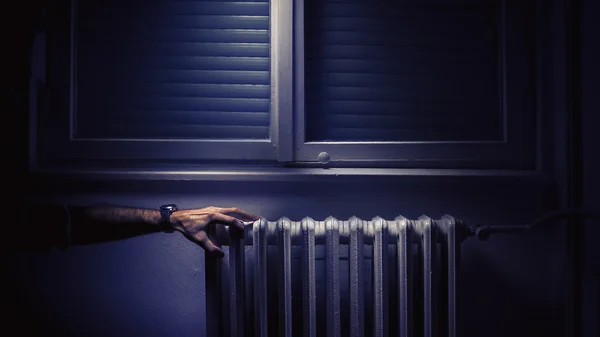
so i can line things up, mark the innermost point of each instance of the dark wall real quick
(591, 141)
(154, 285)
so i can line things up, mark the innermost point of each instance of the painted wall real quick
(591, 115)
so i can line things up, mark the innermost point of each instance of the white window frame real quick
(508, 153)
(63, 146)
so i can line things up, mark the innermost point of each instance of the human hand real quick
(195, 223)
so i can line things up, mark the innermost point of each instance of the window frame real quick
(57, 145)
(512, 152)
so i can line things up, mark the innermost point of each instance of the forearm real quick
(44, 226)
(107, 223)
(47, 226)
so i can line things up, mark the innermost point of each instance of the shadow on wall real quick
(521, 302)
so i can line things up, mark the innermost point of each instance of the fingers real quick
(227, 220)
(240, 214)
(210, 247)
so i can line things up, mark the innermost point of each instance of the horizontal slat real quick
(153, 131)
(189, 90)
(418, 92)
(182, 62)
(366, 66)
(247, 8)
(449, 9)
(171, 35)
(410, 83)
(89, 48)
(176, 117)
(419, 24)
(196, 104)
(181, 21)
(403, 53)
(216, 22)
(193, 76)
(394, 108)
(134, 62)
(395, 36)
(463, 132)
(173, 8)
(381, 122)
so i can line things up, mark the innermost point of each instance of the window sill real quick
(292, 174)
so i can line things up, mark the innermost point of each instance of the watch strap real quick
(165, 217)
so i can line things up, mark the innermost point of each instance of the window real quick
(436, 83)
(158, 80)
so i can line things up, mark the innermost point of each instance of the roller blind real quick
(168, 69)
(402, 70)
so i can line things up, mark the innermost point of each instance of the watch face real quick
(169, 207)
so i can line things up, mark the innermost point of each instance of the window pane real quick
(402, 70)
(172, 69)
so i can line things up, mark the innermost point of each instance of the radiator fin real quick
(357, 301)
(332, 257)
(380, 279)
(260, 278)
(309, 296)
(236, 283)
(284, 227)
(404, 251)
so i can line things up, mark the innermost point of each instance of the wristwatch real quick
(165, 217)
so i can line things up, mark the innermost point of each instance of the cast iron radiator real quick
(401, 278)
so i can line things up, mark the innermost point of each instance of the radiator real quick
(412, 282)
